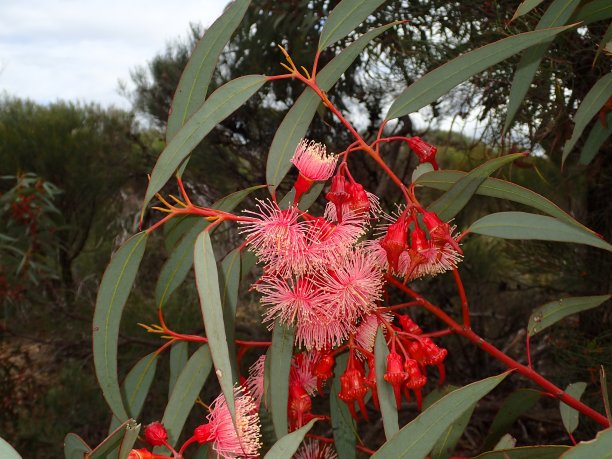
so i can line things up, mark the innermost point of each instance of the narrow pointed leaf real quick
(569, 415)
(343, 424)
(599, 448)
(515, 405)
(177, 266)
(416, 439)
(74, 448)
(185, 392)
(496, 188)
(179, 354)
(521, 225)
(604, 43)
(556, 15)
(447, 441)
(345, 18)
(113, 441)
(526, 452)
(596, 138)
(597, 96)
(525, 7)
(129, 439)
(288, 445)
(550, 313)
(441, 80)
(138, 382)
(450, 203)
(229, 202)
(193, 85)
(421, 169)
(221, 103)
(386, 398)
(207, 281)
(281, 353)
(295, 124)
(230, 281)
(112, 295)
(596, 10)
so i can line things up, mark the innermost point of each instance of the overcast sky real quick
(80, 49)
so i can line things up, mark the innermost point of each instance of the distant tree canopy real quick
(89, 153)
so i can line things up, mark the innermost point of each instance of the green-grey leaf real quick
(442, 79)
(288, 445)
(421, 169)
(74, 448)
(515, 405)
(207, 282)
(597, 96)
(229, 202)
(112, 295)
(295, 124)
(221, 103)
(177, 266)
(550, 313)
(597, 136)
(343, 424)
(185, 392)
(230, 281)
(604, 43)
(193, 85)
(281, 353)
(599, 448)
(113, 440)
(496, 188)
(597, 10)
(386, 398)
(525, 7)
(345, 18)
(450, 203)
(129, 439)
(557, 14)
(179, 354)
(138, 382)
(522, 225)
(603, 383)
(416, 439)
(526, 452)
(569, 415)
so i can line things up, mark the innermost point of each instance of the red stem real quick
(465, 308)
(499, 355)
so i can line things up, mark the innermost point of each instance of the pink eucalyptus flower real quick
(302, 371)
(255, 381)
(365, 335)
(312, 449)
(324, 332)
(227, 441)
(314, 164)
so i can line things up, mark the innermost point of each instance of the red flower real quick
(156, 434)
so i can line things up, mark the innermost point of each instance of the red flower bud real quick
(339, 194)
(155, 434)
(359, 202)
(353, 388)
(323, 370)
(371, 381)
(299, 405)
(415, 379)
(140, 454)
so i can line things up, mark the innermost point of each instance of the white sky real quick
(80, 49)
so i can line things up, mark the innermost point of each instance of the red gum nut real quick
(302, 185)
(417, 352)
(359, 203)
(299, 405)
(434, 353)
(395, 242)
(353, 388)
(203, 434)
(395, 375)
(323, 370)
(371, 381)
(416, 380)
(338, 194)
(409, 325)
(425, 152)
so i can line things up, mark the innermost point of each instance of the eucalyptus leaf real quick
(288, 445)
(345, 18)
(281, 353)
(386, 398)
(550, 313)
(569, 415)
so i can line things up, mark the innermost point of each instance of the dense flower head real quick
(365, 335)
(255, 381)
(312, 449)
(229, 441)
